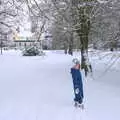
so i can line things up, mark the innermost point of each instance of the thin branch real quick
(41, 30)
(42, 12)
(5, 24)
(7, 13)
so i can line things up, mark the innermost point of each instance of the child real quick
(77, 83)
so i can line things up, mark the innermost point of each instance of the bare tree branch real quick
(5, 24)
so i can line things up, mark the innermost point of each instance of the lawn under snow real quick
(40, 88)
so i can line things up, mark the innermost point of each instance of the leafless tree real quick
(10, 13)
(90, 19)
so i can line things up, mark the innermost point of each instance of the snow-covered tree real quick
(94, 21)
(106, 27)
(10, 17)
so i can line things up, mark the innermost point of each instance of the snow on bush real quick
(33, 51)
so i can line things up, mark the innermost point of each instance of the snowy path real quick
(40, 88)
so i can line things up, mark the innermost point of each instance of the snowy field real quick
(40, 88)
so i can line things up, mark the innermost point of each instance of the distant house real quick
(21, 41)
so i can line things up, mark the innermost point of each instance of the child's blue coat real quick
(77, 83)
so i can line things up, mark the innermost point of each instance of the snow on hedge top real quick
(102, 1)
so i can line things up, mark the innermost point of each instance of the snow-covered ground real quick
(40, 88)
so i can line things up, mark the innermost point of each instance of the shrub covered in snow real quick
(33, 51)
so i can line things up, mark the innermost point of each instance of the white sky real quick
(25, 28)
(102, 1)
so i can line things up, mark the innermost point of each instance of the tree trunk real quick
(65, 48)
(1, 45)
(84, 53)
(70, 50)
(1, 50)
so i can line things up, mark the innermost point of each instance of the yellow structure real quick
(15, 36)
